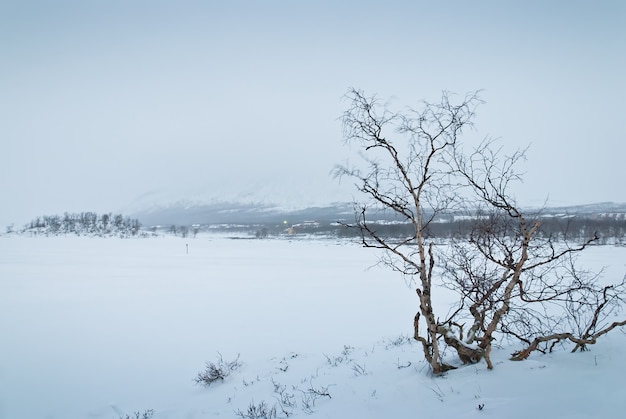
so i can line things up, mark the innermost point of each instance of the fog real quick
(108, 105)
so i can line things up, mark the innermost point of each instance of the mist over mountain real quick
(186, 213)
(599, 209)
(261, 202)
(154, 209)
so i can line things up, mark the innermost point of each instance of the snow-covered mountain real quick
(599, 209)
(266, 205)
(258, 203)
(216, 212)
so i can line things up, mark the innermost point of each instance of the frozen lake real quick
(89, 325)
(84, 320)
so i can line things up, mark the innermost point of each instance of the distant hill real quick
(588, 209)
(184, 213)
(187, 213)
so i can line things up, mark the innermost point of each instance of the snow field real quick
(100, 328)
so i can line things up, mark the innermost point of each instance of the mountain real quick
(188, 212)
(602, 208)
(257, 202)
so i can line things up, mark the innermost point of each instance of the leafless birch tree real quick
(534, 291)
(410, 176)
(511, 279)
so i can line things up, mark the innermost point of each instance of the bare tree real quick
(410, 177)
(516, 279)
(513, 279)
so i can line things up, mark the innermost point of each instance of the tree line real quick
(609, 230)
(84, 224)
(576, 228)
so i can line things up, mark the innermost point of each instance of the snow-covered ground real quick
(104, 328)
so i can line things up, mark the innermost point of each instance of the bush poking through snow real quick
(359, 369)
(344, 357)
(399, 341)
(217, 371)
(286, 399)
(401, 366)
(311, 395)
(138, 415)
(260, 411)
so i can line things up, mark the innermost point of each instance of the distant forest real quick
(609, 227)
(84, 224)
(610, 230)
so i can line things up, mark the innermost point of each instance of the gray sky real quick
(107, 104)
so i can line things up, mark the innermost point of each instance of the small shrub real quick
(260, 411)
(399, 341)
(344, 357)
(217, 371)
(286, 399)
(359, 369)
(138, 415)
(311, 395)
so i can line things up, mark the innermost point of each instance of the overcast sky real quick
(107, 104)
